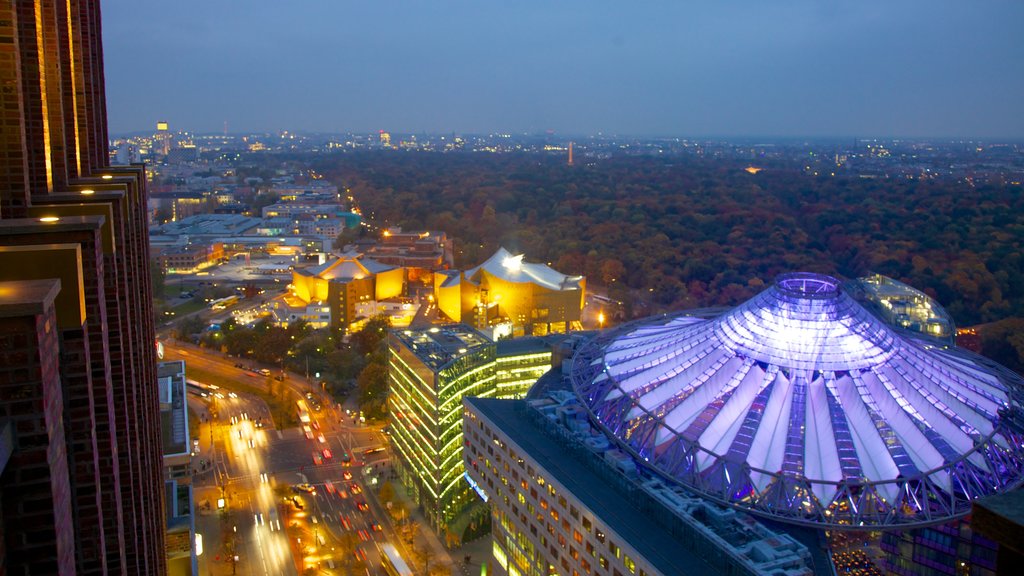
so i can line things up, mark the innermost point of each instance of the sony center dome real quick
(802, 406)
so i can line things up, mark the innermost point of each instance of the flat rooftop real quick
(650, 540)
(436, 346)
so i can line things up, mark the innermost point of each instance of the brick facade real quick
(103, 511)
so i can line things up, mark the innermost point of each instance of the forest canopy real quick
(681, 232)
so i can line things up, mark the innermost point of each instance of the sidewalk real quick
(463, 560)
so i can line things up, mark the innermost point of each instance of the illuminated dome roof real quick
(801, 405)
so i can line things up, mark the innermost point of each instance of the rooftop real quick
(513, 268)
(173, 407)
(802, 405)
(439, 345)
(693, 521)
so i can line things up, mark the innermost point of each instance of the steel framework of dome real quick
(801, 405)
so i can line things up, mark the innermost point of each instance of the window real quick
(578, 537)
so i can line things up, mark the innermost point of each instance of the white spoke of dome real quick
(655, 400)
(933, 414)
(769, 445)
(983, 407)
(720, 431)
(821, 458)
(869, 433)
(645, 383)
(718, 381)
(642, 341)
(640, 372)
(902, 418)
(973, 380)
(968, 416)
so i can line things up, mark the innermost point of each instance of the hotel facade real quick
(81, 488)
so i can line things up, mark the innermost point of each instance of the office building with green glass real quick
(430, 370)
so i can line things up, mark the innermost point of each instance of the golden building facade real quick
(345, 283)
(533, 299)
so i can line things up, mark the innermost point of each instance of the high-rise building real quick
(81, 490)
(799, 409)
(430, 371)
(162, 139)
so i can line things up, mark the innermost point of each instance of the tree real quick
(372, 384)
(272, 345)
(189, 326)
(369, 338)
(612, 270)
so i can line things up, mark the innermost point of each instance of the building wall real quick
(389, 284)
(515, 374)
(539, 527)
(425, 413)
(951, 548)
(36, 501)
(449, 299)
(531, 308)
(54, 146)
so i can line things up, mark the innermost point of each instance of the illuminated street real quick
(282, 512)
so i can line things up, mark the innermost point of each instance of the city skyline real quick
(797, 70)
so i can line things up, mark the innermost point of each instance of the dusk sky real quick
(660, 68)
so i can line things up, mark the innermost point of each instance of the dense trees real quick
(680, 232)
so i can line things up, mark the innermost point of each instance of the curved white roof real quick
(512, 268)
(801, 404)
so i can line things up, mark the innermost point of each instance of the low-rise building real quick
(177, 457)
(349, 285)
(533, 298)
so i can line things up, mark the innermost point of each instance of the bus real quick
(224, 303)
(303, 413)
(392, 562)
(200, 388)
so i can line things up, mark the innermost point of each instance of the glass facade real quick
(425, 406)
(801, 404)
(430, 371)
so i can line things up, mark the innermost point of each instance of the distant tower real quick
(225, 127)
(385, 139)
(163, 138)
(570, 153)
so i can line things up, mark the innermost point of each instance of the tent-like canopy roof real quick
(512, 268)
(346, 267)
(802, 405)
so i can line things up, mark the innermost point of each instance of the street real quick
(272, 501)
